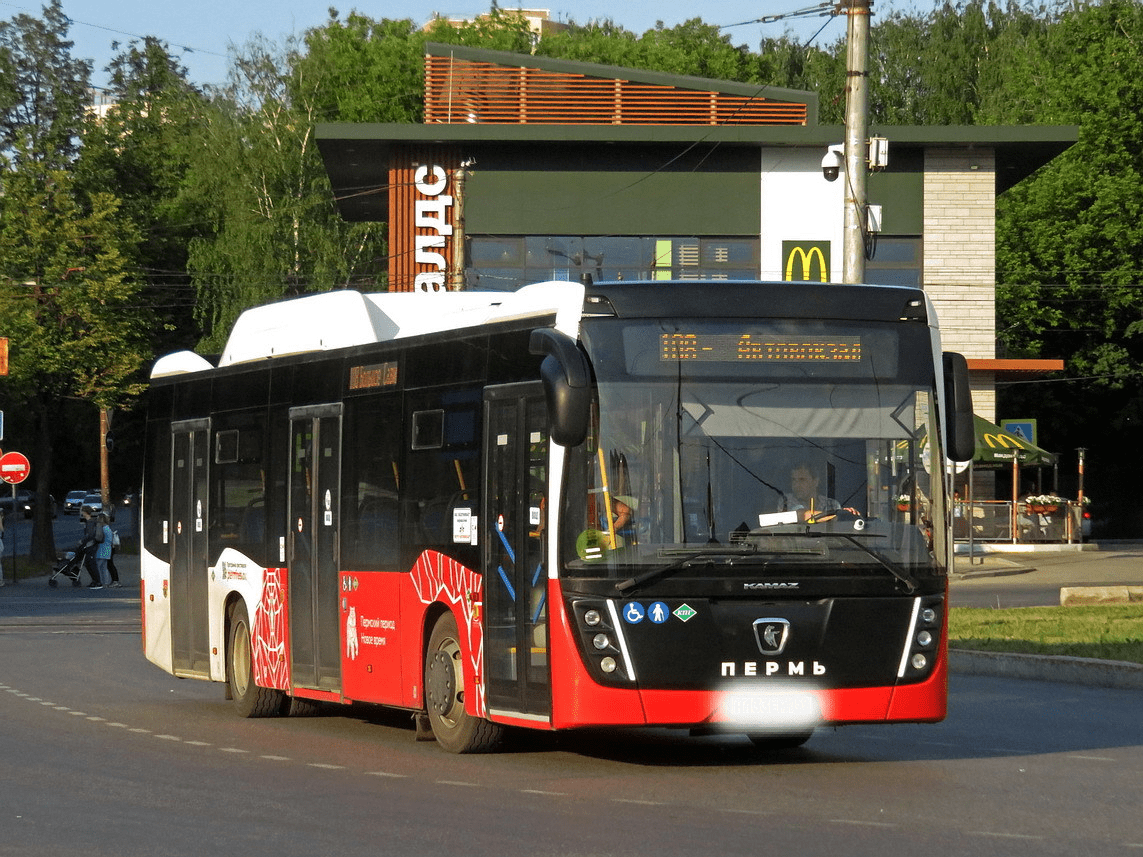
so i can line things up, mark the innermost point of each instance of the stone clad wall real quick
(960, 256)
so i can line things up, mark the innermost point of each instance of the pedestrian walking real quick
(87, 545)
(111, 569)
(103, 537)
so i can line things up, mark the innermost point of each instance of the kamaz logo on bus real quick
(753, 587)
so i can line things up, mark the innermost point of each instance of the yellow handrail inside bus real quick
(606, 500)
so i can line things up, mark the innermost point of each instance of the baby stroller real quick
(69, 565)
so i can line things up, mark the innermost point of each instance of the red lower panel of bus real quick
(383, 629)
(374, 639)
(382, 634)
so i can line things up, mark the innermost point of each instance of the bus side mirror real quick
(567, 384)
(960, 431)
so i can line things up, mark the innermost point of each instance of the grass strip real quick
(1106, 631)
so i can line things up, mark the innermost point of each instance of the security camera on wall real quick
(831, 165)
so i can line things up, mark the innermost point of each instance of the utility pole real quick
(856, 138)
(104, 458)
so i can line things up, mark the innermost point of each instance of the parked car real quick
(29, 505)
(95, 501)
(73, 501)
(8, 503)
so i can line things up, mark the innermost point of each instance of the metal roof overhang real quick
(1015, 368)
(356, 155)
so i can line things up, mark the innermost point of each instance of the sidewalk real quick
(1062, 565)
(127, 565)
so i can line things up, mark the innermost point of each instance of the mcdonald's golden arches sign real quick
(804, 261)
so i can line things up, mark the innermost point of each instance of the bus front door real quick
(313, 557)
(513, 520)
(190, 626)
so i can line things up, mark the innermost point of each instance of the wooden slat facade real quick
(404, 196)
(460, 91)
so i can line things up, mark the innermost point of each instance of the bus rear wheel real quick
(454, 728)
(250, 700)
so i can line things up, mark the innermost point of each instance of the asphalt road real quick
(1035, 579)
(102, 753)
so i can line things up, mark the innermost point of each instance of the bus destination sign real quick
(373, 376)
(730, 347)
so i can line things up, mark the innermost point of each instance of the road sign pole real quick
(15, 574)
(14, 468)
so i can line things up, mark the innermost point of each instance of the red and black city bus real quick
(704, 505)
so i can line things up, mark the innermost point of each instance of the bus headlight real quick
(917, 660)
(600, 642)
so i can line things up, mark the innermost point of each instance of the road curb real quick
(1076, 596)
(990, 571)
(1091, 672)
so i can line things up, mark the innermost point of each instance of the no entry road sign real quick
(14, 467)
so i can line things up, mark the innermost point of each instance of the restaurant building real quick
(528, 169)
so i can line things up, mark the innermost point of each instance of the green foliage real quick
(362, 70)
(786, 62)
(43, 90)
(1070, 241)
(691, 48)
(1110, 632)
(68, 306)
(1077, 275)
(273, 231)
(141, 149)
(499, 30)
(67, 303)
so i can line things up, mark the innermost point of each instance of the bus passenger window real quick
(238, 483)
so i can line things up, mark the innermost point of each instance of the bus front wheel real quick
(454, 728)
(250, 700)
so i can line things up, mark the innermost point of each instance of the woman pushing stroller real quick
(97, 548)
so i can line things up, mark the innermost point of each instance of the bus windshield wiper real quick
(711, 555)
(897, 571)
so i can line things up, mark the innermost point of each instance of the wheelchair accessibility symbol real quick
(633, 613)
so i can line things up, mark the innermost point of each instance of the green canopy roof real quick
(996, 446)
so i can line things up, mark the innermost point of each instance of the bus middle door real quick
(314, 490)
(190, 624)
(513, 520)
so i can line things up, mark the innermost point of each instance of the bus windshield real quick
(730, 448)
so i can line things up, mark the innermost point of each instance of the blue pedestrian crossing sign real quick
(1024, 429)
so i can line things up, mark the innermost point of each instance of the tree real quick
(937, 68)
(273, 230)
(1070, 239)
(68, 306)
(140, 149)
(44, 90)
(362, 70)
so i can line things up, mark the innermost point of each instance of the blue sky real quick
(201, 32)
